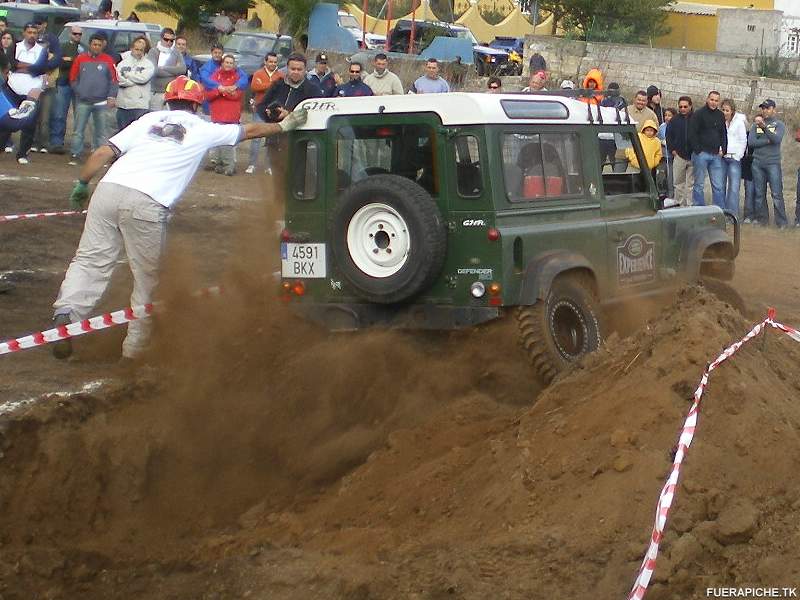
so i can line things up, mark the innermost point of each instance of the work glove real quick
(79, 196)
(24, 110)
(294, 119)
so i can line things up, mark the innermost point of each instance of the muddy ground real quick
(255, 457)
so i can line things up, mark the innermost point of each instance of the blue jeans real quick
(702, 162)
(58, 114)
(733, 181)
(763, 175)
(256, 145)
(83, 110)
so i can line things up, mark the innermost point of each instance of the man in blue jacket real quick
(354, 87)
(322, 76)
(765, 137)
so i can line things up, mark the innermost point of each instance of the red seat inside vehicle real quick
(536, 186)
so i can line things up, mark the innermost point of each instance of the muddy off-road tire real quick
(559, 330)
(388, 238)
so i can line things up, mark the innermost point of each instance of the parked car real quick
(488, 61)
(18, 13)
(508, 43)
(250, 47)
(120, 34)
(373, 41)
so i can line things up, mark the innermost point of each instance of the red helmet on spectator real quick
(183, 88)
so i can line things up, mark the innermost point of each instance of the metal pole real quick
(388, 22)
(364, 7)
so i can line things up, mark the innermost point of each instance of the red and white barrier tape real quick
(41, 215)
(684, 441)
(119, 317)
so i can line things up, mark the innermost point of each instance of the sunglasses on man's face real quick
(355, 72)
(78, 33)
(168, 40)
(494, 87)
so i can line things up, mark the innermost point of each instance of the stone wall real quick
(566, 56)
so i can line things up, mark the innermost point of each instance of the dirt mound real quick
(391, 465)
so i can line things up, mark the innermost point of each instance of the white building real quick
(790, 27)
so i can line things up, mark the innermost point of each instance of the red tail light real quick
(286, 235)
(299, 288)
(493, 234)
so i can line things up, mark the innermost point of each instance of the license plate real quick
(304, 261)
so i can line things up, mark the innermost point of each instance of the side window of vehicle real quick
(620, 164)
(542, 166)
(122, 42)
(468, 166)
(305, 170)
(405, 150)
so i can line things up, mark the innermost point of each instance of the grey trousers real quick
(682, 180)
(119, 218)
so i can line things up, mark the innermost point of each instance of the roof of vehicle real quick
(39, 7)
(111, 24)
(460, 108)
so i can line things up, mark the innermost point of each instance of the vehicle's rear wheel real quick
(562, 328)
(388, 238)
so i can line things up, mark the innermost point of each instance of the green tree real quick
(630, 21)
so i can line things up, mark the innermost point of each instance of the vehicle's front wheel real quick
(562, 328)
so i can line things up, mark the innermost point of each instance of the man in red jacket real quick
(225, 106)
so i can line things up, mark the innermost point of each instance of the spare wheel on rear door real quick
(388, 238)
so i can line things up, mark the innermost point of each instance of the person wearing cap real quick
(654, 102)
(708, 140)
(154, 160)
(567, 84)
(63, 98)
(431, 82)
(382, 81)
(322, 76)
(765, 137)
(608, 147)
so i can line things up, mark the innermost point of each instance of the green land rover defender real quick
(444, 211)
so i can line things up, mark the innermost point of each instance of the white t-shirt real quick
(162, 151)
(22, 83)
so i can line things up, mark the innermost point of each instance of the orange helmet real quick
(183, 88)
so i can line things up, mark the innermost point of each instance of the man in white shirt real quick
(27, 80)
(130, 211)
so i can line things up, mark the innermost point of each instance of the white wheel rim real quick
(378, 240)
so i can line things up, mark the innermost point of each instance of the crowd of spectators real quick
(684, 146)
